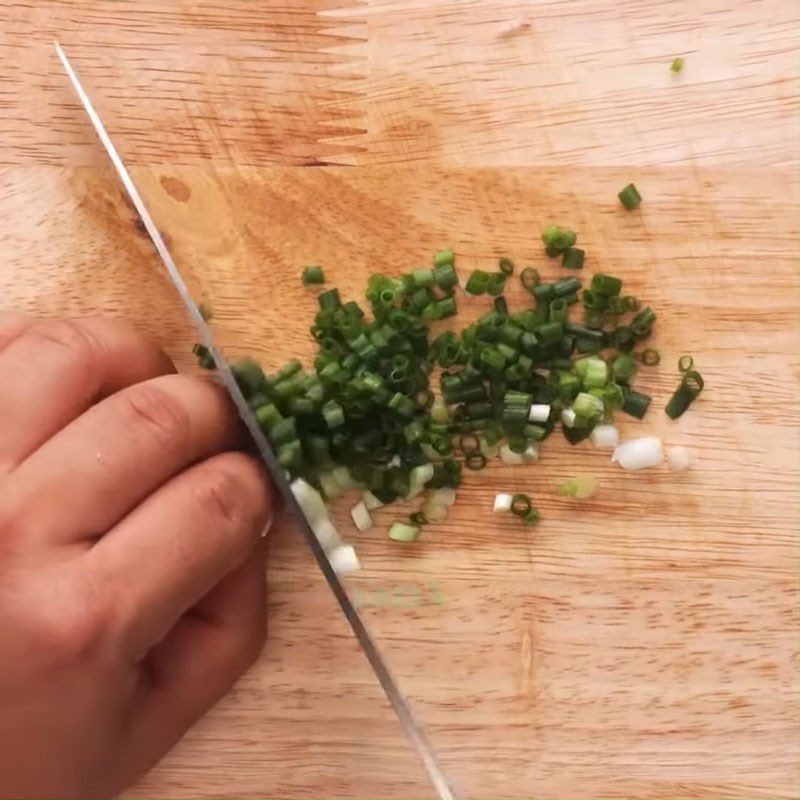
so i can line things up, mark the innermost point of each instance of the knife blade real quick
(379, 666)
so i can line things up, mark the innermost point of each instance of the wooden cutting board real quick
(641, 644)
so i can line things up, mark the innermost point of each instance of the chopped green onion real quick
(204, 358)
(496, 284)
(623, 367)
(520, 505)
(650, 357)
(506, 266)
(329, 300)
(529, 278)
(557, 240)
(566, 287)
(313, 276)
(418, 518)
(333, 414)
(422, 277)
(445, 276)
(588, 406)
(444, 258)
(636, 404)
(677, 64)
(205, 312)
(685, 363)
(573, 258)
(605, 284)
(475, 461)
(631, 303)
(401, 532)
(630, 197)
(581, 488)
(478, 282)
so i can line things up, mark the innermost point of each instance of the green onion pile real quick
(396, 409)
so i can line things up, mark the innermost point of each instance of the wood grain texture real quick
(642, 645)
(240, 83)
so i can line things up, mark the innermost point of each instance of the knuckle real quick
(66, 334)
(154, 411)
(72, 629)
(222, 493)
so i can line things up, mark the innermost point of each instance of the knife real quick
(412, 730)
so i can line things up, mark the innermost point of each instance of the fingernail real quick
(268, 524)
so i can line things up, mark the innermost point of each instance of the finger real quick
(54, 370)
(12, 325)
(175, 547)
(204, 655)
(103, 464)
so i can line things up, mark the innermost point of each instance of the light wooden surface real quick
(641, 645)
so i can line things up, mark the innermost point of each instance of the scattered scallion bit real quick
(313, 276)
(685, 363)
(573, 258)
(650, 357)
(205, 312)
(630, 197)
(506, 266)
(677, 64)
(557, 240)
(688, 390)
(402, 532)
(580, 488)
(368, 415)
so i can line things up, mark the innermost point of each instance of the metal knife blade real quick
(374, 657)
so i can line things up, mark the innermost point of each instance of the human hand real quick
(131, 559)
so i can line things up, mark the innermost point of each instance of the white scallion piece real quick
(605, 437)
(508, 456)
(679, 458)
(326, 534)
(439, 411)
(434, 512)
(342, 476)
(568, 417)
(361, 517)
(540, 412)
(489, 451)
(417, 479)
(531, 452)
(370, 501)
(443, 497)
(639, 453)
(310, 500)
(394, 461)
(344, 559)
(330, 485)
(403, 532)
(502, 503)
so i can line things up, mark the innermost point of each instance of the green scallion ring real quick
(685, 363)
(496, 284)
(650, 357)
(506, 266)
(529, 278)
(520, 505)
(475, 461)
(631, 303)
(693, 381)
